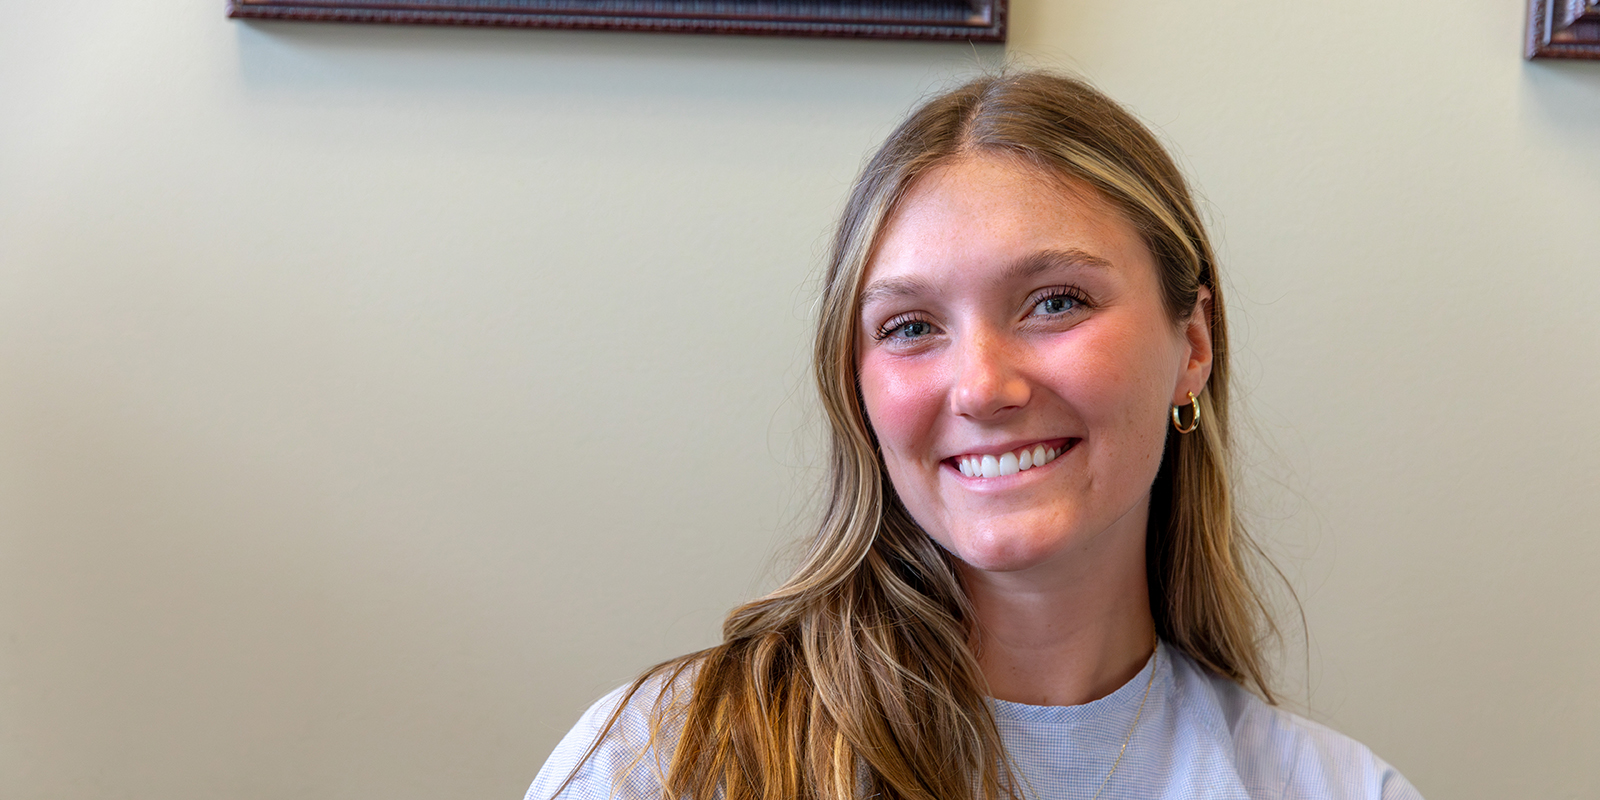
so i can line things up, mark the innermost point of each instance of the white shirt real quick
(1199, 736)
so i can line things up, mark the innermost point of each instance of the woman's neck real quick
(1068, 638)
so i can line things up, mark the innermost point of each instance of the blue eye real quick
(1055, 304)
(904, 329)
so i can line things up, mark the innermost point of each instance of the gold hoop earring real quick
(1194, 422)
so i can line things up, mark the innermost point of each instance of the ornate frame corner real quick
(1563, 29)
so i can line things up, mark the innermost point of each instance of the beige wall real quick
(371, 399)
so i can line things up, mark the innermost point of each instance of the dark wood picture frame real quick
(958, 20)
(1563, 29)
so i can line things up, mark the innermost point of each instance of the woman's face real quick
(1007, 320)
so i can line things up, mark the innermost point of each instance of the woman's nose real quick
(988, 383)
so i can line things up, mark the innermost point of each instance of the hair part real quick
(856, 676)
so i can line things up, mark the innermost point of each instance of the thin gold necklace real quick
(1155, 658)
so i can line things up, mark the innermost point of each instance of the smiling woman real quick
(1038, 325)
(1028, 581)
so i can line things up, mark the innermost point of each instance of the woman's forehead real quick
(998, 217)
(999, 170)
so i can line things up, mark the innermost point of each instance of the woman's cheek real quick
(1114, 373)
(903, 402)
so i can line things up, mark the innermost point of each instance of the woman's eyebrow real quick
(1047, 260)
(890, 288)
(1029, 266)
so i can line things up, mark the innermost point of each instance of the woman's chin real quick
(1006, 553)
(1044, 543)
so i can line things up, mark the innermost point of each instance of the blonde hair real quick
(855, 677)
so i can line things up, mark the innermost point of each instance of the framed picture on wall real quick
(1563, 29)
(963, 20)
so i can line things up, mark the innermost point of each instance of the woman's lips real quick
(1010, 462)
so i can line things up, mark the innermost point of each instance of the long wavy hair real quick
(856, 677)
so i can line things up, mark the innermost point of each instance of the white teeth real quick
(1006, 463)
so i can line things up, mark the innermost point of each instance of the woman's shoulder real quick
(1280, 754)
(608, 753)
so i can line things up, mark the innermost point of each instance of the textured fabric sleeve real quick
(621, 766)
(1323, 764)
(1283, 756)
(1332, 766)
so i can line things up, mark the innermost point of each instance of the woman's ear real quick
(1197, 334)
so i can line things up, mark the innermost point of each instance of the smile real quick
(977, 465)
